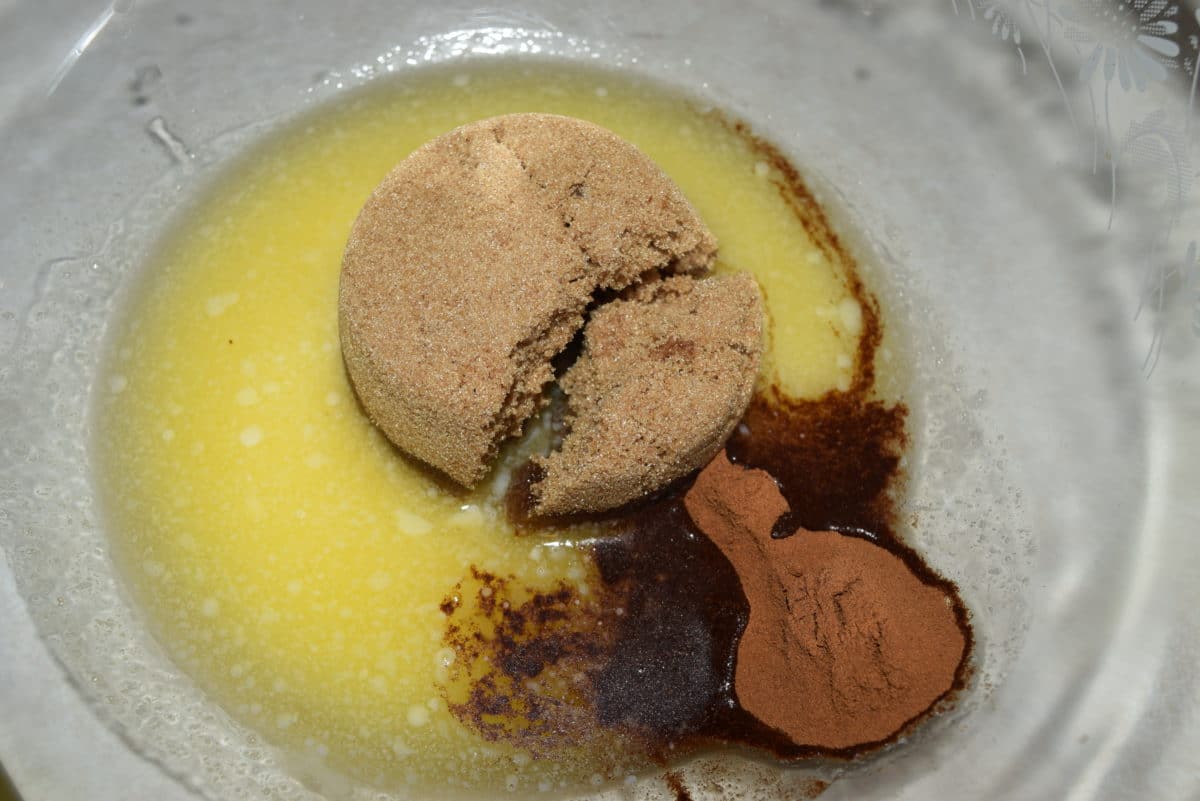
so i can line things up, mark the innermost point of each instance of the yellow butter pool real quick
(285, 555)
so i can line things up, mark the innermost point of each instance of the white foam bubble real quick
(216, 305)
(417, 715)
(251, 436)
(851, 316)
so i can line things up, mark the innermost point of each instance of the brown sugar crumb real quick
(471, 266)
(665, 374)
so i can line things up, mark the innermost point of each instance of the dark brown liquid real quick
(669, 678)
(657, 646)
(835, 459)
(649, 659)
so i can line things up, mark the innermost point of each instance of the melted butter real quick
(287, 557)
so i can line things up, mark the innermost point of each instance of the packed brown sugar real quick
(471, 266)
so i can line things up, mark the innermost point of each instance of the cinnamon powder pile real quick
(845, 645)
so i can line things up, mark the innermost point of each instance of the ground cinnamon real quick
(845, 645)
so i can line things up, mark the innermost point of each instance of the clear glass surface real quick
(1016, 180)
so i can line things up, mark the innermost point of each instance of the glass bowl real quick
(1016, 180)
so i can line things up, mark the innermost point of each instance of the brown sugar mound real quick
(845, 645)
(666, 373)
(471, 266)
